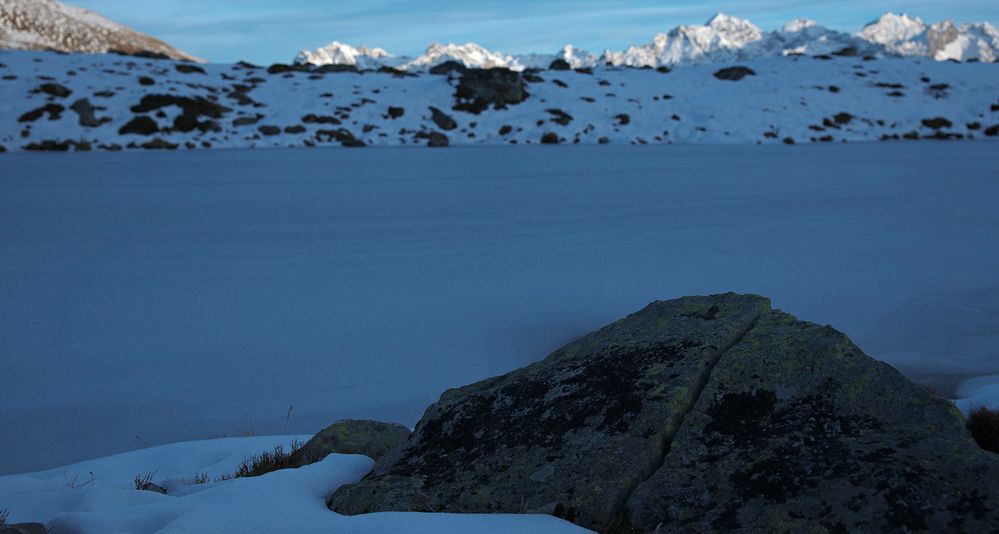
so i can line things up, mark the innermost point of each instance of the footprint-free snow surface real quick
(109, 102)
(163, 296)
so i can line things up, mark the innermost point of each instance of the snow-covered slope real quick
(51, 25)
(723, 38)
(76, 101)
(100, 496)
(337, 53)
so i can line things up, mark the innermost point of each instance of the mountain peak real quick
(891, 28)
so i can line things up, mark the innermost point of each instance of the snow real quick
(99, 496)
(892, 29)
(789, 97)
(160, 297)
(978, 392)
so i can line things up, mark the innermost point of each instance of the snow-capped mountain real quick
(723, 38)
(470, 54)
(337, 53)
(51, 25)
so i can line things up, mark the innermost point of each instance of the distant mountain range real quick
(723, 38)
(50, 25)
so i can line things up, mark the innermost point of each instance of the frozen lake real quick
(155, 297)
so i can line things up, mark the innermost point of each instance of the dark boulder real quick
(146, 81)
(478, 89)
(49, 145)
(734, 74)
(54, 89)
(141, 125)
(268, 129)
(700, 414)
(559, 64)
(437, 139)
(559, 117)
(442, 120)
(396, 112)
(326, 69)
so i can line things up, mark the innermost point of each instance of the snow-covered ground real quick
(100, 496)
(789, 99)
(157, 297)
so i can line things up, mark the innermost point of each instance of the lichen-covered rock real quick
(572, 434)
(352, 436)
(699, 414)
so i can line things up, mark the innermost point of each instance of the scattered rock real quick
(992, 131)
(703, 414)
(281, 68)
(246, 121)
(437, 139)
(353, 143)
(448, 67)
(480, 88)
(559, 117)
(140, 125)
(159, 144)
(187, 68)
(788, 141)
(584, 70)
(974, 125)
(937, 123)
(734, 73)
(146, 81)
(54, 112)
(559, 64)
(296, 129)
(842, 118)
(603, 140)
(663, 69)
(370, 438)
(49, 145)
(85, 110)
(54, 89)
(505, 129)
(320, 119)
(443, 120)
(846, 52)
(550, 138)
(325, 69)
(268, 129)
(396, 112)
(623, 119)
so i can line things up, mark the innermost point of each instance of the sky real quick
(266, 31)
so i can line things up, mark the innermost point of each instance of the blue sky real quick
(267, 31)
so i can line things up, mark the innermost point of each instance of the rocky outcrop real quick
(370, 438)
(478, 89)
(700, 414)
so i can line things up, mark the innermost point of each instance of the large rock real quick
(697, 414)
(351, 436)
(480, 88)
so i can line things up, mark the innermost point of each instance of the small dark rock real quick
(85, 110)
(159, 144)
(246, 121)
(396, 112)
(320, 119)
(734, 73)
(992, 131)
(550, 138)
(49, 145)
(146, 81)
(187, 68)
(268, 129)
(663, 69)
(843, 118)
(437, 139)
(623, 119)
(560, 117)
(443, 120)
(505, 129)
(937, 123)
(296, 129)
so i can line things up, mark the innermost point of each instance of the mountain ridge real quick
(722, 38)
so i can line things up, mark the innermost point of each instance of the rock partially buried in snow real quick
(351, 436)
(478, 89)
(707, 412)
(734, 74)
